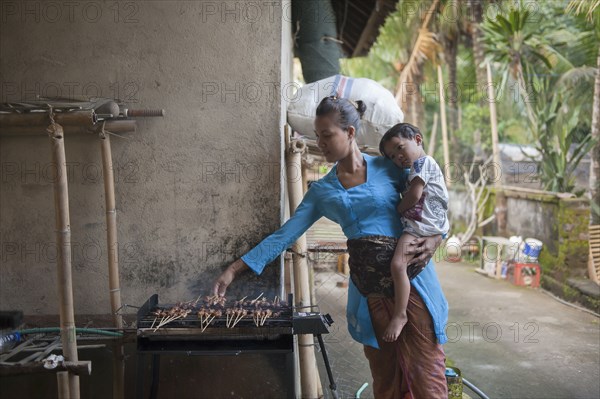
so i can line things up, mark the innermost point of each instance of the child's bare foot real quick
(393, 330)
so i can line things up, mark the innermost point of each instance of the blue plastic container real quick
(532, 248)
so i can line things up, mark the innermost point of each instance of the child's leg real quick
(401, 288)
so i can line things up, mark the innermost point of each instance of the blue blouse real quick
(364, 210)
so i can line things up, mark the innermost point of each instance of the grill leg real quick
(139, 376)
(155, 376)
(332, 385)
(291, 372)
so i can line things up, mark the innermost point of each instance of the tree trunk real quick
(474, 28)
(475, 19)
(595, 161)
(452, 92)
(418, 107)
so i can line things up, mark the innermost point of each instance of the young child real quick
(422, 208)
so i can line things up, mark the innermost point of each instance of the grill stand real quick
(302, 323)
(158, 348)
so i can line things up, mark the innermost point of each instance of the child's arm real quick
(412, 196)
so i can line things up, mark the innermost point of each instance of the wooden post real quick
(308, 370)
(63, 241)
(444, 128)
(111, 230)
(431, 146)
(62, 378)
(500, 209)
(83, 367)
(113, 262)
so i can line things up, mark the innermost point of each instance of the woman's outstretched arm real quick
(272, 246)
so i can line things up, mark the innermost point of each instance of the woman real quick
(361, 193)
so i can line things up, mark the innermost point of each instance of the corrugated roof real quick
(358, 23)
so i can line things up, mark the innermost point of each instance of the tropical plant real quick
(591, 9)
(425, 48)
(549, 86)
(557, 134)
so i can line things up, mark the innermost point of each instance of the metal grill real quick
(193, 327)
(191, 335)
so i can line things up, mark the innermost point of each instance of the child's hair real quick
(349, 113)
(404, 130)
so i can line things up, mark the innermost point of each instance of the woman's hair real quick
(348, 113)
(404, 130)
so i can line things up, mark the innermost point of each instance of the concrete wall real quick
(560, 223)
(194, 190)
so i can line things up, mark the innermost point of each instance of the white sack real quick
(382, 110)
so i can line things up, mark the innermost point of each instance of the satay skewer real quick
(243, 312)
(257, 298)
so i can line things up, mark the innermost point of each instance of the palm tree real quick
(475, 11)
(592, 11)
(449, 33)
(425, 48)
(549, 82)
(510, 41)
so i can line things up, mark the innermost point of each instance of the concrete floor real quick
(517, 342)
(511, 342)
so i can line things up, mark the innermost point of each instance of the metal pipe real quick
(143, 112)
(473, 388)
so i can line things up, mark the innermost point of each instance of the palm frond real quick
(581, 6)
(425, 48)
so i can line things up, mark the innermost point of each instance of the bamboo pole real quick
(63, 240)
(444, 127)
(308, 370)
(431, 146)
(113, 126)
(83, 367)
(85, 118)
(112, 244)
(500, 209)
(311, 270)
(111, 230)
(62, 378)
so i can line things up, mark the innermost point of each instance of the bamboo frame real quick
(113, 126)
(83, 367)
(308, 370)
(431, 146)
(64, 271)
(113, 261)
(62, 379)
(85, 118)
(111, 230)
(594, 253)
(444, 126)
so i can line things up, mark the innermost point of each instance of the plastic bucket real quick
(532, 248)
(513, 248)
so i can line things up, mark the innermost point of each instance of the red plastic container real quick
(525, 274)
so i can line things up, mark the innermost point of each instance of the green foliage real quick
(547, 60)
(556, 132)
(552, 89)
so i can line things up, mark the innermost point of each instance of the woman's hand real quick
(423, 248)
(228, 276)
